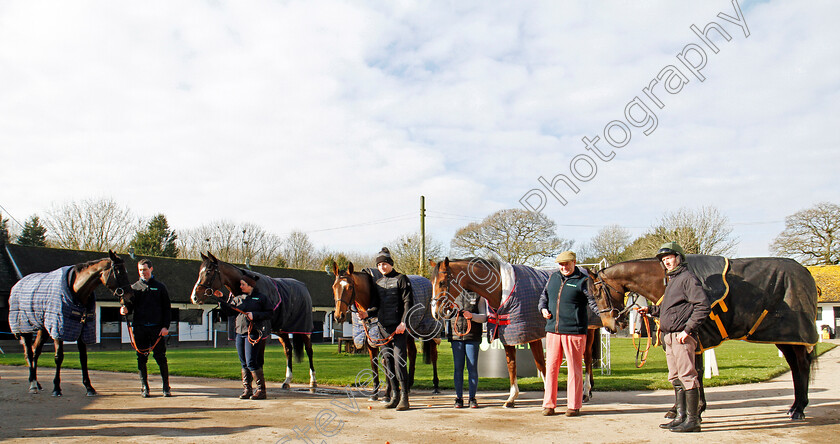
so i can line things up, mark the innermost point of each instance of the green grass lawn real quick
(739, 362)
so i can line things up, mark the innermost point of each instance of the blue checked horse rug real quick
(44, 300)
(518, 319)
(292, 304)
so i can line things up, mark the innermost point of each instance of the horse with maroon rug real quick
(61, 304)
(290, 297)
(514, 317)
(352, 291)
(765, 300)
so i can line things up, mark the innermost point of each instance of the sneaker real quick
(548, 412)
(573, 412)
(473, 403)
(459, 403)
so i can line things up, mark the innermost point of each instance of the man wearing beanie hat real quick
(393, 292)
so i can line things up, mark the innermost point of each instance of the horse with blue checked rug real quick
(290, 297)
(61, 304)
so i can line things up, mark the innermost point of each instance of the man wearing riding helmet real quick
(681, 311)
(393, 301)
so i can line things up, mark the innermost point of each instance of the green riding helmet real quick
(670, 248)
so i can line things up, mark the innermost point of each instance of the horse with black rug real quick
(765, 300)
(61, 305)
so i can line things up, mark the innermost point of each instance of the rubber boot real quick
(692, 407)
(144, 380)
(395, 397)
(259, 379)
(246, 384)
(679, 395)
(403, 404)
(164, 377)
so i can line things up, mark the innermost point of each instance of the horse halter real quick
(606, 288)
(119, 290)
(446, 300)
(208, 286)
(351, 305)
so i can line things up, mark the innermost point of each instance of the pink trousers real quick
(572, 347)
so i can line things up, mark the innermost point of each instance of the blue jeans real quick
(250, 356)
(465, 351)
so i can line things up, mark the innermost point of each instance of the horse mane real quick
(489, 263)
(81, 266)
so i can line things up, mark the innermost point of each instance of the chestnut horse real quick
(215, 274)
(482, 277)
(646, 277)
(82, 279)
(352, 292)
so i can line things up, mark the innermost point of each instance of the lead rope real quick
(260, 337)
(145, 351)
(641, 362)
(371, 341)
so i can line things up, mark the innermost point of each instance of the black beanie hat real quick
(384, 256)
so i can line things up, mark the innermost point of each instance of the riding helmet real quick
(670, 248)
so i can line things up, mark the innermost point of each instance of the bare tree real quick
(811, 235)
(406, 253)
(610, 243)
(516, 236)
(701, 231)
(231, 242)
(96, 225)
(299, 252)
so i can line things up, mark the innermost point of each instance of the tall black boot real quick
(679, 395)
(164, 377)
(395, 396)
(403, 404)
(144, 379)
(259, 379)
(246, 384)
(692, 406)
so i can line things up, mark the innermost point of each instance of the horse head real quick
(209, 281)
(115, 278)
(445, 289)
(344, 291)
(609, 296)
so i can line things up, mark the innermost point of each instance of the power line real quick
(11, 217)
(399, 218)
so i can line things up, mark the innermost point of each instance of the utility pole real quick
(422, 233)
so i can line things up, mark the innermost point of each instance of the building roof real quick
(827, 278)
(179, 275)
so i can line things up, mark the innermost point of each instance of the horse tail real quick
(297, 344)
(812, 358)
(429, 348)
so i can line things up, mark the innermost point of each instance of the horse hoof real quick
(91, 392)
(586, 398)
(39, 386)
(797, 416)
(510, 405)
(373, 397)
(56, 394)
(312, 385)
(436, 391)
(33, 391)
(286, 386)
(670, 414)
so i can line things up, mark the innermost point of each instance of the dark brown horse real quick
(756, 289)
(352, 292)
(81, 280)
(214, 275)
(480, 276)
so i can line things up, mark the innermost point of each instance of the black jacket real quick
(259, 306)
(685, 304)
(151, 306)
(393, 299)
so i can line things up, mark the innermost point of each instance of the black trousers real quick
(144, 337)
(395, 356)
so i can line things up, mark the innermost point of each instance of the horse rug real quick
(767, 300)
(45, 300)
(292, 304)
(518, 319)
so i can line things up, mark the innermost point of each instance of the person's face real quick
(144, 271)
(567, 268)
(245, 287)
(384, 267)
(671, 261)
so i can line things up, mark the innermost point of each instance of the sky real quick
(334, 117)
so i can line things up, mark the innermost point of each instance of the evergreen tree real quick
(4, 230)
(156, 239)
(33, 234)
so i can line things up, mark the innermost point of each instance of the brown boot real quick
(246, 383)
(260, 380)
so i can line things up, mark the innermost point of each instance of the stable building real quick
(195, 324)
(827, 278)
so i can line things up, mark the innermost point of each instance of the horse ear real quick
(334, 268)
(203, 257)
(350, 268)
(113, 256)
(446, 262)
(212, 258)
(432, 263)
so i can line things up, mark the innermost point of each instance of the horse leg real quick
(510, 355)
(26, 341)
(412, 358)
(59, 359)
(374, 367)
(798, 360)
(83, 360)
(539, 357)
(287, 348)
(307, 342)
(589, 379)
(434, 357)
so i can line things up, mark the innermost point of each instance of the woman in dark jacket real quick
(465, 335)
(251, 327)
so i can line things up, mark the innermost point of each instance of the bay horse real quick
(213, 275)
(352, 292)
(756, 288)
(61, 305)
(481, 276)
